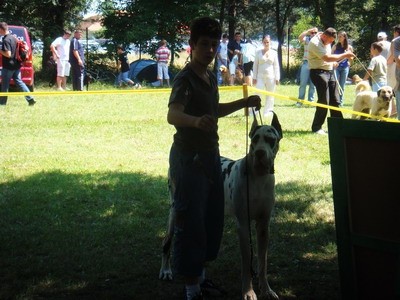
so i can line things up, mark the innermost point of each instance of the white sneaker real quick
(321, 132)
(299, 104)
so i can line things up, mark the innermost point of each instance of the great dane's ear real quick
(254, 127)
(275, 123)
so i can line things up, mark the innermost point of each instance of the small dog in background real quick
(377, 104)
(356, 79)
(239, 76)
(226, 77)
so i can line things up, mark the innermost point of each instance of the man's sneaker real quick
(199, 296)
(299, 104)
(31, 102)
(209, 289)
(320, 132)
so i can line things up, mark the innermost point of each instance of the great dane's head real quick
(264, 145)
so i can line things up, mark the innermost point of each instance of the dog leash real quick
(365, 69)
(252, 272)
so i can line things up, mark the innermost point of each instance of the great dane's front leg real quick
(247, 284)
(262, 227)
(165, 270)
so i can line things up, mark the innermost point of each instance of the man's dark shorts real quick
(199, 209)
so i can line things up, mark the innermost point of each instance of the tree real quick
(45, 18)
(143, 23)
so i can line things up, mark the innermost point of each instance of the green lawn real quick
(83, 200)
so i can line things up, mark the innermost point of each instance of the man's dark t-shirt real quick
(233, 45)
(199, 99)
(10, 44)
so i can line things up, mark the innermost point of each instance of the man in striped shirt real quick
(162, 55)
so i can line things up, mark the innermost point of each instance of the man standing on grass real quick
(195, 165)
(60, 49)
(11, 66)
(77, 61)
(321, 62)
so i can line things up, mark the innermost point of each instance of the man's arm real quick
(5, 53)
(305, 33)
(177, 117)
(337, 57)
(225, 109)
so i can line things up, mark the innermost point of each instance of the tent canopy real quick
(144, 70)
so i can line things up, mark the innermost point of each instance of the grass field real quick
(83, 200)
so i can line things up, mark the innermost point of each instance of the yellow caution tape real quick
(343, 110)
(221, 88)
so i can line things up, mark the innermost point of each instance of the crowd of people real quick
(330, 53)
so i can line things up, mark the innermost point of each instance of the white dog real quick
(250, 183)
(377, 104)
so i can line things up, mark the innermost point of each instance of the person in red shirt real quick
(162, 55)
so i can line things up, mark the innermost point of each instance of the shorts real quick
(162, 70)
(248, 67)
(63, 68)
(199, 201)
(232, 68)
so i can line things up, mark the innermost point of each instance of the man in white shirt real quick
(60, 49)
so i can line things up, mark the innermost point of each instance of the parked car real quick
(27, 71)
(37, 47)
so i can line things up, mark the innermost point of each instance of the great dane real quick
(248, 183)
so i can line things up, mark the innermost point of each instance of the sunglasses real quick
(314, 32)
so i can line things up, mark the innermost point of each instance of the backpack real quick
(22, 51)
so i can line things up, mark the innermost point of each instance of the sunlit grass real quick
(83, 199)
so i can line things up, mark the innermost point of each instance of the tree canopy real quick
(144, 22)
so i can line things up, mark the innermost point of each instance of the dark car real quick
(27, 71)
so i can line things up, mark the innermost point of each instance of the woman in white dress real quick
(266, 72)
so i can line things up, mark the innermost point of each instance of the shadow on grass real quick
(98, 236)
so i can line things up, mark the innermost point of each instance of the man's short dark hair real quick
(331, 32)
(66, 31)
(205, 26)
(396, 28)
(377, 46)
(4, 26)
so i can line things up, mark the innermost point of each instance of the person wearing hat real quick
(382, 38)
(391, 67)
(321, 62)
(60, 49)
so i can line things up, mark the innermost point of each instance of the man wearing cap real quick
(321, 62)
(382, 38)
(60, 49)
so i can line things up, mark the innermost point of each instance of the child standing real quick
(195, 167)
(123, 64)
(377, 68)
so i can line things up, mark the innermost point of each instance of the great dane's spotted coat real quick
(248, 179)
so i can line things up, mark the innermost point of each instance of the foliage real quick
(144, 24)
